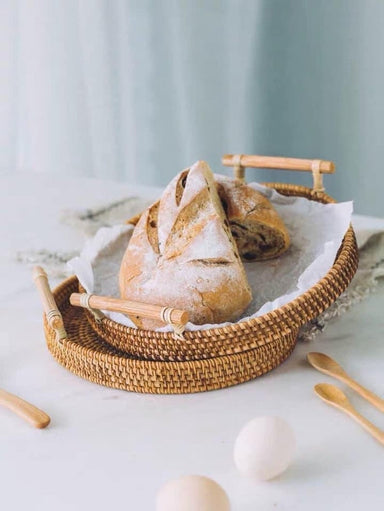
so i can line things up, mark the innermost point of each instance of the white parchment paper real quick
(316, 232)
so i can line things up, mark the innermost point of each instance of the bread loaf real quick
(182, 254)
(258, 230)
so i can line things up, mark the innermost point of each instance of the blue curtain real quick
(136, 90)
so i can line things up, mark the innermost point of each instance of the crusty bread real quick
(258, 230)
(182, 254)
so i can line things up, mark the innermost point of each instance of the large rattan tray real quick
(137, 360)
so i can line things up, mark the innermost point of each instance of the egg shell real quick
(192, 493)
(264, 448)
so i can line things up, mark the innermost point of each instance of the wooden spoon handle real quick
(367, 425)
(27, 411)
(365, 393)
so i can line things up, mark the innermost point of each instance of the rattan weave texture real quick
(243, 336)
(154, 362)
(87, 355)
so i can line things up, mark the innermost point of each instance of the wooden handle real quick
(317, 167)
(28, 412)
(52, 313)
(131, 308)
(377, 433)
(277, 162)
(365, 393)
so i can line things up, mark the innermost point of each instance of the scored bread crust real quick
(182, 254)
(259, 232)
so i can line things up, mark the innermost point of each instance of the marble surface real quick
(108, 449)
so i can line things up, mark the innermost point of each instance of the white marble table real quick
(109, 449)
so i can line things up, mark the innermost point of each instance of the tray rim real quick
(101, 362)
(299, 302)
(104, 364)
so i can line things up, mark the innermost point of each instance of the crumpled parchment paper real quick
(316, 232)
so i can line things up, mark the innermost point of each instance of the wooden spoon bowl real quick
(327, 365)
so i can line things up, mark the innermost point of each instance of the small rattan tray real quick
(137, 360)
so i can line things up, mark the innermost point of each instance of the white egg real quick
(264, 448)
(192, 493)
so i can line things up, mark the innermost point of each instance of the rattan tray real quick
(137, 360)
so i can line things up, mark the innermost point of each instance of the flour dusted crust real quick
(182, 254)
(258, 230)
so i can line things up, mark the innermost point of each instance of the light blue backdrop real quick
(136, 90)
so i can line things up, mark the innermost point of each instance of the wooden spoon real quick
(28, 412)
(336, 397)
(327, 365)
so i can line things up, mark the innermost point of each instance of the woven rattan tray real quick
(137, 360)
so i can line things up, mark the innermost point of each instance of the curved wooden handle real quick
(277, 162)
(27, 411)
(52, 313)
